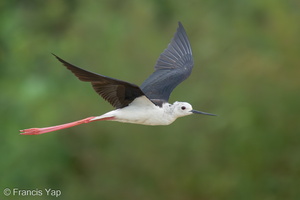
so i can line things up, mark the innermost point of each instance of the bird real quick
(147, 104)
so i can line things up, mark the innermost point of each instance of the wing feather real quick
(118, 93)
(173, 66)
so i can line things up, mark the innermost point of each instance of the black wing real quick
(118, 93)
(173, 66)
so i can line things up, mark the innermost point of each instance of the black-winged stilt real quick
(147, 104)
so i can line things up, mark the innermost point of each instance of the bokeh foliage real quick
(247, 71)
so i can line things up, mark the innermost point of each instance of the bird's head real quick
(183, 109)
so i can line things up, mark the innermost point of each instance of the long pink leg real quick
(38, 131)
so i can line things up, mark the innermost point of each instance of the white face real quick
(182, 109)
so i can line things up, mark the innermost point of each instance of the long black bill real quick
(203, 113)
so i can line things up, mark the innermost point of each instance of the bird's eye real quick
(183, 107)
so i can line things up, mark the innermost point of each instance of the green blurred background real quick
(247, 67)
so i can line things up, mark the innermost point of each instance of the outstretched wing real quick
(173, 66)
(118, 93)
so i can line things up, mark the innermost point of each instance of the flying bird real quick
(147, 104)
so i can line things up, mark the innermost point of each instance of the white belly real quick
(152, 115)
(143, 111)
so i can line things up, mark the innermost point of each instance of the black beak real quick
(203, 113)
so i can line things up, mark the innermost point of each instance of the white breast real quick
(143, 111)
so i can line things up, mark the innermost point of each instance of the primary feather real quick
(173, 66)
(118, 93)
